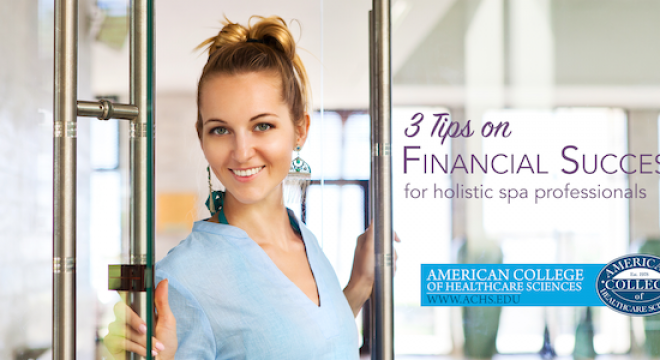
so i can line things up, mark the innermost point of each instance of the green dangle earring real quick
(299, 167)
(296, 182)
(215, 200)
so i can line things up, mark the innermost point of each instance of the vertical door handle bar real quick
(141, 226)
(381, 108)
(368, 319)
(140, 113)
(64, 179)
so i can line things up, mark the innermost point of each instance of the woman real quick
(251, 281)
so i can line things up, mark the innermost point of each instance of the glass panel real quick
(104, 153)
(116, 261)
(150, 278)
(335, 204)
(105, 214)
(181, 177)
(356, 160)
(422, 219)
(325, 137)
(557, 74)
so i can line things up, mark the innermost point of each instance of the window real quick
(553, 230)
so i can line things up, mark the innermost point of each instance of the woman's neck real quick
(266, 222)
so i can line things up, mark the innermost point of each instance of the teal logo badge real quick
(631, 285)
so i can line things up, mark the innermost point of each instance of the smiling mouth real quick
(247, 172)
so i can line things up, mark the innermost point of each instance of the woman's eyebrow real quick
(214, 120)
(256, 117)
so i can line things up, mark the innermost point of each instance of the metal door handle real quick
(66, 110)
(382, 310)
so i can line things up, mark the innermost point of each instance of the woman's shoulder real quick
(206, 242)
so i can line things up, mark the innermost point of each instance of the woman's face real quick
(248, 135)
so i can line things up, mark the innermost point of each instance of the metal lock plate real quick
(128, 277)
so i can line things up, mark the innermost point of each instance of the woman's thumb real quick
(162, 304)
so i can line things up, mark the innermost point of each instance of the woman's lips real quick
(248, 174)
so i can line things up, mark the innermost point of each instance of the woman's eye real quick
(219, 131)
(263, 127)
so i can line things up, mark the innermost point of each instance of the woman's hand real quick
(129, 332)
(361, 283)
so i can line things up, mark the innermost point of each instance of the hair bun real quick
(230, 33)
(271, 31)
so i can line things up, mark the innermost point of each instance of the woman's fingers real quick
(370, 231)
(122, 337)
(166, 324)
(162, 304)
(367, 234)
(395, 257)
(133, 342)
(365, 240)
(124, 314)
(129, 333)
(396, 238)
(118, 345)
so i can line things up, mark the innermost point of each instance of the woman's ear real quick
(302, 130)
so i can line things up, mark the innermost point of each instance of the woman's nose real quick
(243, 148)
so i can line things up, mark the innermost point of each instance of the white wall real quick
(26, 96)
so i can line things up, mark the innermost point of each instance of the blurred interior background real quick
(581, 72)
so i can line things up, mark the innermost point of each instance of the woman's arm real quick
(359, 286)
(357, 295)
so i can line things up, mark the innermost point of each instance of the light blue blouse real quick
(231, 301)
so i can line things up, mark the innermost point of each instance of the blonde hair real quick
(271, 49)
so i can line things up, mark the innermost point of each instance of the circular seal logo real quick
(631, 285)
